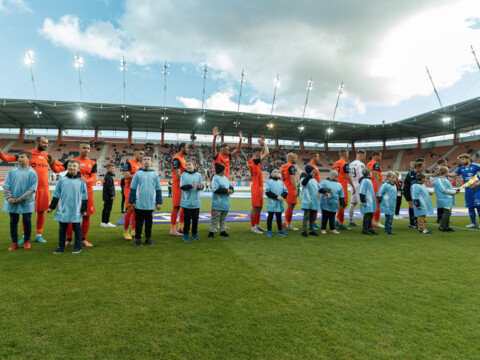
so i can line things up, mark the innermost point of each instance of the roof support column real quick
(276, 143)
(384, 146)
(59, 136)
(326, 145)
(163, 137)
(249, 140)
(96, 135)
(302, 144)
(455, 138)
(418, 143)
(20, 135)
(353, 146)
(129, 137)
(223, 138)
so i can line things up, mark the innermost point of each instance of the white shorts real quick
(356, 197)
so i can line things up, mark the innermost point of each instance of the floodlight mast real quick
(165, 73)
(204, 76)
(434, 88)
(475, 56)
(340, 92)
(123, 67)
(79, 65)
(309, 87)
(29, 61)
(276, 82)
(241, 86)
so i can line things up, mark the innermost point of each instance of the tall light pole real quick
(29, 61)
(204, 76)
(165, 73)
(434, 88)
(276, 83)
(309, 87)
(340, 92)
(241, 86)
(475, 56)
(79, 65)
(123, 67)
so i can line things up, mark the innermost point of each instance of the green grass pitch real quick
(348, 296)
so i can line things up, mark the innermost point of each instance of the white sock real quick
(351, 210)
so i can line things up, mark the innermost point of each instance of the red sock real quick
(126, 220)
(69, 231)
(258, 219)
(341, 215)
(40, 222)
(288, 216)
(253, 218)
(132, 220)
(173, 217)
(85, 226)
(377, 215)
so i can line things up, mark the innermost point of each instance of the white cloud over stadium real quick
(378, 48)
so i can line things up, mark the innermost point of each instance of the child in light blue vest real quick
(368, 203)
(422, 203)
(332, 196)
(387, 198)
(276, 192)
(222, 190)
(19, 189)
(445, 198)
(71, 198)
(191, 183)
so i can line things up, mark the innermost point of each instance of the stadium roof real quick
(30, 114)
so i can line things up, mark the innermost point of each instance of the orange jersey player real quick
(376, 169)
(289, 172)
(255, 166)
(178, 167)
(88, 171)
(342, 167)
(39, 163)
(129, 169)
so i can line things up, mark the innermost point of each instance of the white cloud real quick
(15, 6)
(378, 48)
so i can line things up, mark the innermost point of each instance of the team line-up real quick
(26, 190)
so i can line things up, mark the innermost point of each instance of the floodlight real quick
(301, 128)
(200, 120)
(446, 119)
(29, 57)
(329, 130)
(270, 126)
(78, 61)
(81, 114)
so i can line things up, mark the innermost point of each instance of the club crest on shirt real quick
(41, 157)
(89, 165)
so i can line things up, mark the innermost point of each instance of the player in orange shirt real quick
(289, 173)
(224, 156)
(314, 160)
(376, 169)
(88, 170)
(255, 166)
(178, 167)
(129, 169)
(42, 196)
(341, 166)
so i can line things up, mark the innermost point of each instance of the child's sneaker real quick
(352, 224)
(138, 242)
(270, 233)
(195, 237)
(210, 235)
(40, 239)
(282, 233)
(343, 227)
(186, 238)
(27, 245)
(12, 247)
(58, 251)
(224, 234)
(316, 227)
(334, 231)
(366, 232)
(149, 242)
(78, 251)
(304, 234)
(313, 233)
(390, 233)
(323, 232)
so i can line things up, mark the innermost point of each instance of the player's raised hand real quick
(261, 141)
(240, 135)
(50, 160)
(216, 132)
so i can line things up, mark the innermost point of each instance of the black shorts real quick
(408, 195)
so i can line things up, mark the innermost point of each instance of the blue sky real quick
(378, 48)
